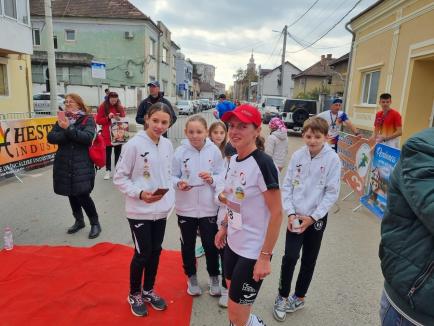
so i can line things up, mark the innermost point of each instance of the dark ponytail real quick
(260, 143)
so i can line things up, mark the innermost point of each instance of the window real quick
(4, 90)
(55, 42)
(173, 89)
(151, 78)
(69, 35)
(75, 75)
(10, 8)
(152, 47)
(370, 87)
(164, 58)
(174, 62)
(22, 11)
(36, 37)
(37, 74)
(165, 86)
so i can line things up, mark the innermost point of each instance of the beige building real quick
(393, 52)
(339, 72)
(15, 50)
(314, 79)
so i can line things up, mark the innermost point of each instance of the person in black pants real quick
(73, 170)
(310, 188)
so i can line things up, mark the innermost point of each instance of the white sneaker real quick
(107, 175)
(214, 286)
(193, 287)
(223, 301)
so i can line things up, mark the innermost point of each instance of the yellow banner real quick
(24, 145)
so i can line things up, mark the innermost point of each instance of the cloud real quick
(224, 32)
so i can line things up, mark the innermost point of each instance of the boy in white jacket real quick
(145, 166)
(197, 174)
(310, 188)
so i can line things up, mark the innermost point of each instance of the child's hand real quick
(220, 238)
(149, 198)
(306, 221)
(183, 185)
(222, 198)
(291, 219)
(206, 176)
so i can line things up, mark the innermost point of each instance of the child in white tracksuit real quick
(276, 144)
(197, 173)
(310, 188)
(144, 166)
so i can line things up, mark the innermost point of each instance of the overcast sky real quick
(223, 33)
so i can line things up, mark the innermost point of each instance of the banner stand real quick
(352, 192)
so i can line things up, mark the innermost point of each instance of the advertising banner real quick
(385, 159)
(355, 154)
(24, 145)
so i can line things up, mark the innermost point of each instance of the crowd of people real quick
(223, 181)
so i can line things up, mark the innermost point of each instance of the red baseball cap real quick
(245, 113)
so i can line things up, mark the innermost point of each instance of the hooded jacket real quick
(145, 166)
(407, 231)
(277, 147)
(311, 185)
(224, 107)
(188, 162)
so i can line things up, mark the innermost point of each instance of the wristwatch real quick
(224, 224)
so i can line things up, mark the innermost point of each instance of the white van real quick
(271, 106)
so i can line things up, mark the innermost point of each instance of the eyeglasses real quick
(69, 102)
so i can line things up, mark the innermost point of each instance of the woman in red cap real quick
(254, 214)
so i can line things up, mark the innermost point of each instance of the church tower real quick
(251, 66)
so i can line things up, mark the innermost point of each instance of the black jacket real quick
(73, 171)
(146, 104)
(407, 230)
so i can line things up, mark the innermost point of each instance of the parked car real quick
(297, 111)
(41, 102)
(271, 107)
(185, 107)
(206, 103)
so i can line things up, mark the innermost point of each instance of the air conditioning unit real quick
(129, 35)
(129, 74)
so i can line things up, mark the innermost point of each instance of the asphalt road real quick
(347, 283)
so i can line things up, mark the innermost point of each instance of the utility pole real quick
(51, 56)
(282, 67)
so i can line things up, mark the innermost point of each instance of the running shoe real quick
(193, 287)
(214, 286)
(199, 252)
(295, 303)
(138, 306)
(280, 308)
(155, 300)
(223, 301)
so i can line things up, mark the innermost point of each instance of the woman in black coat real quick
(73, 171)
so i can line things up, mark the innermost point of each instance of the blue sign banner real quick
(383, 163)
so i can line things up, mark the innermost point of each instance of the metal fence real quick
(176, 132)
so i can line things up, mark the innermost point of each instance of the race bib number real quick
(234, 215)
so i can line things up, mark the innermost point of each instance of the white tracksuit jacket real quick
(145, 166)
(311, 186)
(188, 162)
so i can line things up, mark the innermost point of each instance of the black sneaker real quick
(138, 306)
(156, 301)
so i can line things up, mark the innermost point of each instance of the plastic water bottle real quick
(8, 239)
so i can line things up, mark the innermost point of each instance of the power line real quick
(274, 49)
(328, 31)
(304, 14)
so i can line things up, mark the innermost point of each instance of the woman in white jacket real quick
(145, 166)
(276, 144)
(197, 173)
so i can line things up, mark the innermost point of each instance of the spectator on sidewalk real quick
(73, 170)
(388, 123)
(110, 109)
(276, 144)
(336, 119)
(154, 96)
(407, 237)
(223, 106)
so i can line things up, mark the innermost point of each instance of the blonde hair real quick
(77, 99)
(316, 124)
(213, 127)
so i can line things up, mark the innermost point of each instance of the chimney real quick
(322, 60)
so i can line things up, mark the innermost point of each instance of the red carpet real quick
(42, 285)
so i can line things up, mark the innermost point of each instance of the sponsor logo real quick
(246, 301)
(318, 225)
(248, 288)
(138, 225)
(249, 296)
